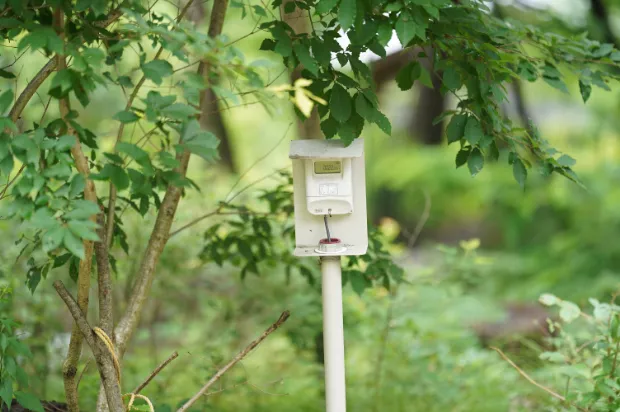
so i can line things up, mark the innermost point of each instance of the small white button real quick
(333, 189)
(324, 190)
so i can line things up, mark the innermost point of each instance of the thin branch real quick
(105, 365)
(119, 135)
(283, 317)
(155, 372)
(44, 73)
(257, 161)
(106, 316)
(532, 381)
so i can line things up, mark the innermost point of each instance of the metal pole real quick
(333, 335)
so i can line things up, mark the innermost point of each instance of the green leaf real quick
(329, 127)
(82, 209)
(117, 176)
(519, 172)
(347, 13)
(6, 165)
(408, 75)
(566, 161)
(384, 33)
(585, 89)
(6, 99)
(29, 401)
(156, 70)
(126, 116)
(383, 123)
(83, 229)
(556, 83)
(6, 391)
(475, 162)
(302, 51)
(78, 183)
(456, 128)
(64, 143)
(52, 239)
(359, 282)
(43, 219)
(569, 311)
(325, 6)
(451, 79)
(340, 104)
(198, 141)
(425, 78)
(405, 28)
(284, 45)
(473, 131)
(462, 156)
(364, 108)
(179, 111)
(73, 244)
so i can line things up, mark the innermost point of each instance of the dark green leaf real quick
(519, 172)
(451, 79)
(475, 162)
(325, 6)
(347, 13)
(456, 128)
(473, 130)
(585, 89)
(408, 75)
(462, 156)
(383, 123)
(302, 51)
(6, 99)
(340, 104)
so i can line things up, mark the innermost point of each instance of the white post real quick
(333, 335)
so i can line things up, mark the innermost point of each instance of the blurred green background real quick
(486, 247)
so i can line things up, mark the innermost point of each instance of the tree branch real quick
(283, 317)
(75, 344)
(105, 364)
(106, 315)
(532, 381)
(155, 372)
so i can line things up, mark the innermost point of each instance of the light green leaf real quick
(340, 104)
(43, 219)
(78, 183)
(52, 239)
(82, 209)
(126, 116)
(548, 299)
(179, 111)
(156, 70)
(347, 13)
(475, 162)
(566, 161)
(65, 143)
(73, 244)
(83, 229)
(6, 99)
(569, 311)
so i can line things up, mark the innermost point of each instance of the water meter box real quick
(329, 180)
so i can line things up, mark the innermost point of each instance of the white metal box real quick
(329, 179)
